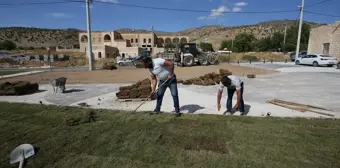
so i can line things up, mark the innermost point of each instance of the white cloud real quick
(112, 1)
(241, 4)
(215, 13)
(236, 9)
(60, 15)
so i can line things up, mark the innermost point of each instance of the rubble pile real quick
(18, 88)
(109, 66)
(141, 89)
(207, 79)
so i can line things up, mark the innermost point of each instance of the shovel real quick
(20, 153)
(150, 95)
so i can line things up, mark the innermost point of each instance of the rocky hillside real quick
(215, 34)
(36, 37)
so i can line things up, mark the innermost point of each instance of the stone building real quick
(325, 40)
(111, 44)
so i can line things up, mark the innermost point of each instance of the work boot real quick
(155, 112)
(177, 114)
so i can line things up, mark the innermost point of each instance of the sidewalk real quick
(20, 74)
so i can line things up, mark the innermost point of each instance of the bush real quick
(250, 58)
(223, 58)
(8, 45)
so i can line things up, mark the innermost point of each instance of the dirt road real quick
(132, 75)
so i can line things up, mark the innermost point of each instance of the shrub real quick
(250, 58)
(223, 58)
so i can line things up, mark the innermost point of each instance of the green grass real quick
(126, 140)
(9, 72)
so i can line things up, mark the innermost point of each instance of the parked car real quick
(126, 61)
(292, 55)
(317, 60)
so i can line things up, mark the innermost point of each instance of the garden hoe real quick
(150, 96)
(20, 153)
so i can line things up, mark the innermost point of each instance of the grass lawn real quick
(9, 72)
(125, 140)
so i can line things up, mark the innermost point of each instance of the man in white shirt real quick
(232, 83)
(163, 70)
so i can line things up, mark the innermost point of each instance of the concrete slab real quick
(319, 89)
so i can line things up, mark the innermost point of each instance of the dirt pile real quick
(18, 88)
(207, 79)
(109, 66)
(141, 89)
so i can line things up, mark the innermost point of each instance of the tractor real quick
(188, 54)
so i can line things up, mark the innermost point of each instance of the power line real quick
(322, 14)
(317, 3)
(39, 3)
(187, 10)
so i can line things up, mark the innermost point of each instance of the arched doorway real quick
(123, 55)
(99, 54)
(184, 40)
(175, 40)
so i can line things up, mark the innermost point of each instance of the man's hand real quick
(219, 106)
(169, 76)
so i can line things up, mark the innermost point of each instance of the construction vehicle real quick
(188, 54)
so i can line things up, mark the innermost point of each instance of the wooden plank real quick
(302, 105)
(287, 106)
(299, 109)
(289, 103)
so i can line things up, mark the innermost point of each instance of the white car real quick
(317, 60)
(126, 61)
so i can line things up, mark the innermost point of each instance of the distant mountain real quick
(38, 37)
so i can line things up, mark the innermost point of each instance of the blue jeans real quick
(230, 99)
(172, 84)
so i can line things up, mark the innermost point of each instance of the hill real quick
(37, 37)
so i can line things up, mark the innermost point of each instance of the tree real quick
(206, 46)
(292, 34)
(263, 44)
(8, 45)
(226, 44)
(277, 41)
(244, 42)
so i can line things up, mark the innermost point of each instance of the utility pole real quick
(89, 34)
(284, 40)
(300, 27)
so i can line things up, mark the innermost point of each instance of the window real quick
(136, 40)
(149, 40)
(144, 40)
(107, 55)
(99, 55)
(314, 56)
(131, 41)
(326, 48)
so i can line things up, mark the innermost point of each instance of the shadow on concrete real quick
(246, 110)
(191, 108)
(74, 90)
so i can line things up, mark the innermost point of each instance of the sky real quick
(115, 15)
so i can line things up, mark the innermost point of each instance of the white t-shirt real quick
(159, 69)
(235, 82)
